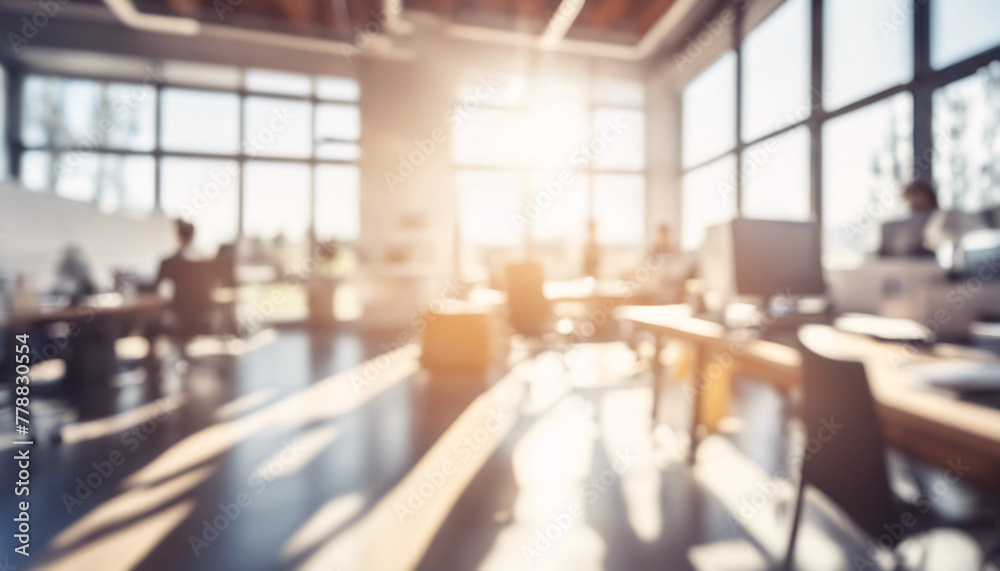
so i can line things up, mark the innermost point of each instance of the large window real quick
(205, 192)
(776, 177)
(537, 160)
(868, 47)
(200, 122)
(776, 71)
(967, 140)
(276, 161)
(856, 123)
(86, 141)
(867, 156)
(709, 122)
(709, 197)
(962, 28)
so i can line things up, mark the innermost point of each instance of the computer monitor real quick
(980, 255)
(904, 238)
(993, 217)
(763, 258)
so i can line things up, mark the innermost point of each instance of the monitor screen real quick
(763, 258)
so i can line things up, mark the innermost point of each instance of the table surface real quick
(97, 306)
(917, 416)
(585, 289)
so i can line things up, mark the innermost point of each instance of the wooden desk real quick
(101, 306)
(586, 290)
(935, 427)
(94, 328)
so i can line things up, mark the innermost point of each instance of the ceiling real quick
(612, 21)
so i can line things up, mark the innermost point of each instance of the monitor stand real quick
(777, 315)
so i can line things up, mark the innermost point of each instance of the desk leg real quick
(696, 399)
(716, 389)
(657, 368)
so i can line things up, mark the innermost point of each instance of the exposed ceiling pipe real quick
(666, 24)
(531, 41)
(126, 12)
(652, 40)
(560, 23)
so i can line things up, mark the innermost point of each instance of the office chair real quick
(850, 467)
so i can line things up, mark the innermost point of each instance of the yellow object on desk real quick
(461, 337)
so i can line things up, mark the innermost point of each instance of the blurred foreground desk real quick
(588, 291)
(92, 329)
(937, 427)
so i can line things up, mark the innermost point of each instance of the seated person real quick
(73, 276)
(905, 238)
(193, 278)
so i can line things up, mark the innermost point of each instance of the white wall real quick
(35, 228)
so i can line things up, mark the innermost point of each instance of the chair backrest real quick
(845, 454)
(193, 282)
(529, 310)
(226, 261)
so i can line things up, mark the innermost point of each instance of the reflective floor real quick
(297, 451)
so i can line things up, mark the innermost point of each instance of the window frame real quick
(926, 80)
(592, 104)
(17, 146)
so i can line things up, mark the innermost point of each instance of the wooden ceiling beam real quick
(607, 13)
(189, 8)
(297, 11)
(531, 8)
(651, 13)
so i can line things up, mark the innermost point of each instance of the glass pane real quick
(557, 207)
(127, 183)
(338, 203)
(337, 122)
(200, 121)
(708, 197)
(495, 89)
(488, 202)
(493, 137)
(619, 139)
(559, 89)
(70, 175)
(277, 128)
(204, 192)
(868, 48)
(337, 89)
(966, 123)
(776, 71)
(962, 28)
(60, 111)
(867, 156)
(269, 81)
(619, 208)
(621, 92)
(776, 177)
(75, 175)
(133, 114)
(338, 151)
(36, 167)
(557, 134)
(276, 200)
(4, 154)
(709, 121)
